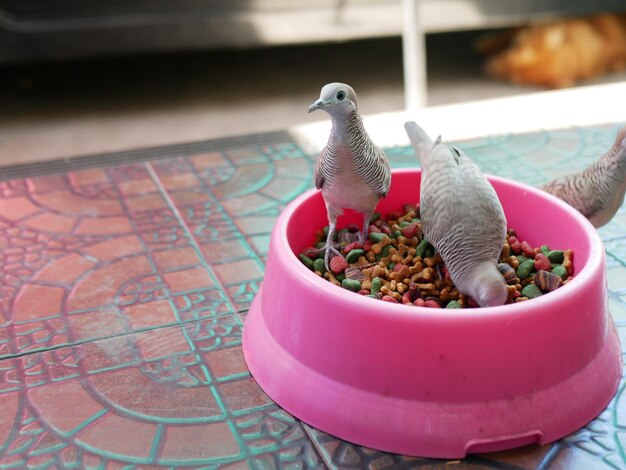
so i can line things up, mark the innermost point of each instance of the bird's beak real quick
(317, 105)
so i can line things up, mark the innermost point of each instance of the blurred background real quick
(81, 77)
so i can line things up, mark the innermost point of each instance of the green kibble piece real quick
(377, 283)
(377, 236)
(319, 265)
(531, 291)
(354, 255)
(397, 234)
(373, 296)
(340, 277)
(560, 271)
(375, 217)
(308, 262)
(421, 248)
(525, 268)
(326, 229)
(391, 266)
(320, 245)
(384, 252)
(404, 224)
(453, 304)
(522, 258)
(555, 256)
(545, 249)
(351, 284)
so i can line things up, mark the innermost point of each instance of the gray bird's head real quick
(336, 99)
(487, 286)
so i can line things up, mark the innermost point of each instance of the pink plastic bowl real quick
(436, 382)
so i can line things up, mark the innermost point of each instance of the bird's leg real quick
(329, 244)
(366, 225)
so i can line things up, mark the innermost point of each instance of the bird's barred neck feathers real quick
(350, 130)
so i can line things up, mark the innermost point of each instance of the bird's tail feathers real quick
(420, 140)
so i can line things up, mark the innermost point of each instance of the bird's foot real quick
(328, 249)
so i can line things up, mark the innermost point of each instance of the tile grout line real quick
(326, 459)
(194, 243)
(118, 335)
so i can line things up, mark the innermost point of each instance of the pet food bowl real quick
(436, 382)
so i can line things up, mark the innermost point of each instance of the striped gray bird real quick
(351, 171)
(597, 192)
(461, 217)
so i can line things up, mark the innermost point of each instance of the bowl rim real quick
(368, 306)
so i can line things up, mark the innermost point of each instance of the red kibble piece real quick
(393, 215)
(311, 252)
(338, 264)
(516, 246)
(398, 267)
(363, 292)
(373, 229)
(367, 246)
(513, 239)
(419, 302)
(542, 262)
(444, 272)
(517, 294)
(406, 298)
(388, 298)
(431, 304)
(352, 246)
(528, 249)
(410, 230)
(472, 303)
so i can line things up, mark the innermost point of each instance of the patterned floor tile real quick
(123, 291)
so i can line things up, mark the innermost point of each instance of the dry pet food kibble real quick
(396, 264)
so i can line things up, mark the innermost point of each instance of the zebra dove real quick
(461, 217)
(597, 192)
(351, 171)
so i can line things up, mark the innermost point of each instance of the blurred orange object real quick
(558, 53)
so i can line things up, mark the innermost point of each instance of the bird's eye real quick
(341, 95)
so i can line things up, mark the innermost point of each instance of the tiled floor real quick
(124, 293)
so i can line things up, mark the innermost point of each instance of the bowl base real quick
(429, 429)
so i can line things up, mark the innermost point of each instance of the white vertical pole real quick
(413, 56)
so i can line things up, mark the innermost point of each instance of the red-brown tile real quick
(224, 250)
(189, 197)
(35, 301)
(179, 181)
(9, 405)
(99, 323)
(247, 179)
(133, 390)
(104, 226)
(118, 247)
(104, 435)
(137, 187)
(45, 183)
(226, 362)
(176, 258)
(149, 202)
(68, 202)
(99, 287)
(17, 208)
(51, 223)
(150, 314)
(64, 405)
(208, 160)
(65, 269)
(238, 271)
(188, 279)
(89, 177)
(156, 344)
(244, 394)
(201, 441)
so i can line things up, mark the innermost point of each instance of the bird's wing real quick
(320, 165)
(376, 172)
